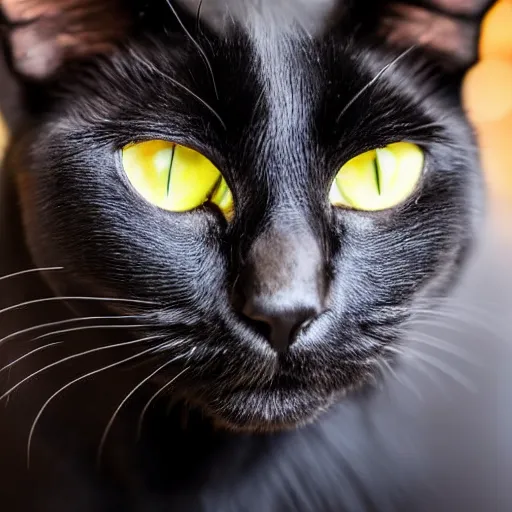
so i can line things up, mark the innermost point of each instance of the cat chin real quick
(263, 412)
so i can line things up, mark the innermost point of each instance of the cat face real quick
(281, 308)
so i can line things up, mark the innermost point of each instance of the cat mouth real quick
(254, 411)
(255, 389)
(284, 404)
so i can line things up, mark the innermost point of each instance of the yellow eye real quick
(174, 177)
(378, 179)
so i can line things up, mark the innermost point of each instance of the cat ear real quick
(448, 30)
(41, 35)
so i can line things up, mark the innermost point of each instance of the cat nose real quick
(281, 325)
(282, 285)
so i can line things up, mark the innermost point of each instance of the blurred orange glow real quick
(488, 98)
(497, 31)
(3, 136)
(489, 90)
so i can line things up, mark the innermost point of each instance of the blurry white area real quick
(310, 14)
(455, 388)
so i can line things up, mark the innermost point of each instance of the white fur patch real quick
(310, 15)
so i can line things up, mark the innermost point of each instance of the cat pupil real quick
(170, 171)
(377, 173)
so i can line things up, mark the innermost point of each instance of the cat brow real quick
(375, 79)
(154, 69)
(196, 44)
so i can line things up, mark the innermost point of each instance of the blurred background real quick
(488, 96)
(469, 434)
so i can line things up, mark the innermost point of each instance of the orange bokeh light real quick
(488, 98)
(496, 38)
(488, 90)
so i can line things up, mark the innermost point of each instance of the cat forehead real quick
(281, 73)
(255, 16)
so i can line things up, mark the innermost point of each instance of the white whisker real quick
(30, 271)
(57, 299)
(68, 385)
(63, 322)
(416, 364)
(432, 317)
(446, 347)
(374, 80)
(425, 126)
(197, 45)
(445, 368)
(401, 379)
(127, 397)
(178, 84)
(160, 390)
(74, 356)
(89, 328)
(436, 363)
(24, 356)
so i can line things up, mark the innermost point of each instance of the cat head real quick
(283, 194)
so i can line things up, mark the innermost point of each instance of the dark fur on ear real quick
(448, 29)
(42, 34)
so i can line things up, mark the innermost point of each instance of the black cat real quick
(341, 192)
